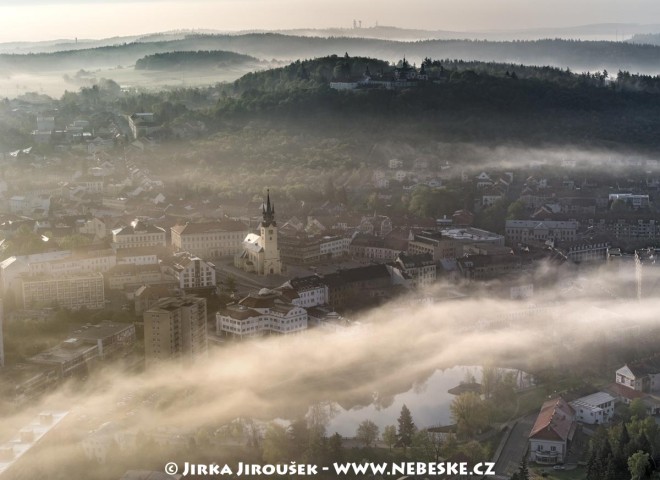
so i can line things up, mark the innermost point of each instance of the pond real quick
(428, 402)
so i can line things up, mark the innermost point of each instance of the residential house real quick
(597, 408)
(552, 432)
(642, 376)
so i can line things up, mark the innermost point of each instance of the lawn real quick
(576, 474)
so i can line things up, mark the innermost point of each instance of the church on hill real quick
(261, 254)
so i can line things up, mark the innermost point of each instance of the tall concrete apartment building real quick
(175, 328)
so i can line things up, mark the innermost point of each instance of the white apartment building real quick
(635, 201)
(137, 256)
(59, 263)
(415, 271)
(210, 239)
(191, 271)
(265, 313)
(311, 291)
(138, 234)
(334, 246)
(87, 262)
(522, 231)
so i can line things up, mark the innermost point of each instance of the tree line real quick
(198, 59)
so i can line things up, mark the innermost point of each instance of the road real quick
(515, 447)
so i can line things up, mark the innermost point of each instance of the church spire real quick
(268, 212)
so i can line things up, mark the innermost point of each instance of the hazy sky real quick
(49, 19)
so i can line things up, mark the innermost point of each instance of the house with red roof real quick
(552, 432)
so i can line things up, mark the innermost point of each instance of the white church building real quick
(261, 254)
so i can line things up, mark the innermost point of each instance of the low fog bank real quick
(573, 326)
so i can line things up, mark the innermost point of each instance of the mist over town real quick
(367, 243)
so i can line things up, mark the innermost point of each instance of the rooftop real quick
(221, 226)
(173, 303)
(101, 330)
(37, 429)
(595, 399)
(555, 421)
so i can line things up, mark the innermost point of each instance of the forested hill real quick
(321, 71)
(576, 55)
(193, 60)
(310, 73)
(650, 39)
(535, 106)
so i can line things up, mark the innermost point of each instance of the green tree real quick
(475, 451)
(298, 437)
(230, 284)
(276, 444)
(406, 428)
(428, 445)
(638, 464)
(367, 433)
(335, 448)
(523, 470)
(619, 206)
(470, 414)
(489, 380)
(638, 409)
(389, 436)
(71, 242)
(515, 211)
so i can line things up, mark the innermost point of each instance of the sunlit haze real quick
(45, 19)
(330, 238)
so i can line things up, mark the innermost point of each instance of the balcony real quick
(547, 458)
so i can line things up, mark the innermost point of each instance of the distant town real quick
(105, 263)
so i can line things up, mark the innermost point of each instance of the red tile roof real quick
(555, 421)
(619, 390)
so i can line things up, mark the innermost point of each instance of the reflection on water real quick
(428, 402)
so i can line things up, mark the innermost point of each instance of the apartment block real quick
(67, 291)
(175, 329)
(210, 239)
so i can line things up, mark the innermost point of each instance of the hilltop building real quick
(261, 254)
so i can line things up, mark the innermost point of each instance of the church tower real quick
(268, 233)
